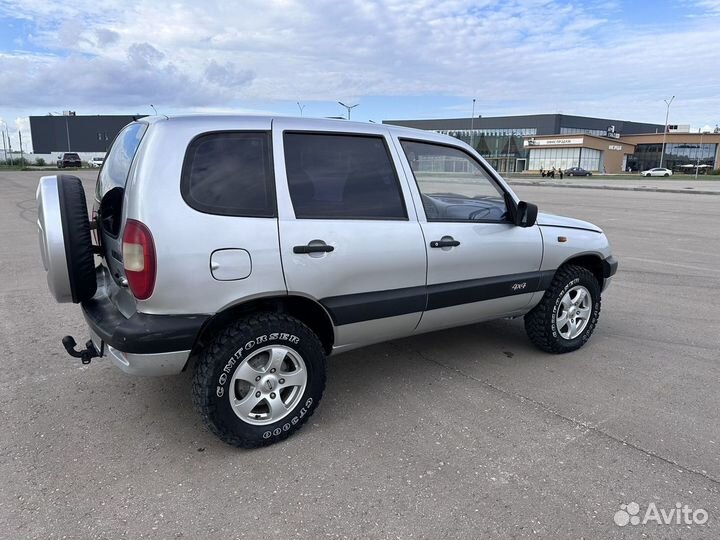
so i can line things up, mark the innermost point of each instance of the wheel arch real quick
(592, 262)
(308, 311)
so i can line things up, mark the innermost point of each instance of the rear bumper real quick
(142, 344)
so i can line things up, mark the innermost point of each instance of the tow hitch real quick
(85, 355)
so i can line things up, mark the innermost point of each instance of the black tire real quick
(666, 174)
(78, 243)
(218, 361)
(540, 322)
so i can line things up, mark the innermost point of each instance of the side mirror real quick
(526, 214)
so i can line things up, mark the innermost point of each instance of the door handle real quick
(313, 248)
(445, 242)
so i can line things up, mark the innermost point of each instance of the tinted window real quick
(342, 177)
(453, 186)
(72, 156)
(230, 174)
(117, 164)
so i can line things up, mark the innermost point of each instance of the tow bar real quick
(85, 355)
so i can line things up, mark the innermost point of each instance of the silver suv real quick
(254, 247)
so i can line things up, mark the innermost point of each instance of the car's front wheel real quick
(259, 379)
(566, 316)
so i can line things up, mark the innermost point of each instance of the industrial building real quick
(507, 141)
(72, 133)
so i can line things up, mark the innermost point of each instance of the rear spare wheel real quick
(64, 235)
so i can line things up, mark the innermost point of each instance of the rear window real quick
(72, 156)
(337, 176)
(117, 163)
(230, 173)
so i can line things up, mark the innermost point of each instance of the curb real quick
(691, 191)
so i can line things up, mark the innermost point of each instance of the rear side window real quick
(342, 177)
(230, 173)
(117, 163)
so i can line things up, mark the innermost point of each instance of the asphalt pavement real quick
(465, 433)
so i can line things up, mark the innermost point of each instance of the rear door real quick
(110, 194)
(349, 233)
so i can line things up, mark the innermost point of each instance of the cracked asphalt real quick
(466, 433)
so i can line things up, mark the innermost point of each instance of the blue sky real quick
(396, 58)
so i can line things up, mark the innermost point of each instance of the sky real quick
(616, 59)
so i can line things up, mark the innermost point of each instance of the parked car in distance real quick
(96, 162)
(249, 248)
(577, 171)
(657, 171)
(68, 159)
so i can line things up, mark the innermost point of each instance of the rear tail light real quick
(139, 259)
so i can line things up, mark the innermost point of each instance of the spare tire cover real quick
(67, 257)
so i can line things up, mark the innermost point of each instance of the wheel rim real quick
(267, 385)
(573, 312)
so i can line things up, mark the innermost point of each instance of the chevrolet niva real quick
(251, 248)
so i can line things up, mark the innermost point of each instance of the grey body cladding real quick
(352, 308)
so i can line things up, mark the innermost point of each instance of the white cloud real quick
(515, 56)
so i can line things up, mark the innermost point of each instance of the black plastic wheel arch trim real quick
(141, 333)
(610, 266)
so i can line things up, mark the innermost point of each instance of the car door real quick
(349, 233)
(480, 265)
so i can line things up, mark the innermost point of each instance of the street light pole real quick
(4, 147)
(301, 107)
(472, 125)
(348, 107)
(667, 115)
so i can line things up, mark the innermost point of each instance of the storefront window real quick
(502, 147)
(647, 156)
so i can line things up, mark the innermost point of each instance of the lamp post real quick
(4, 147)
(667, 115)
(697, 157)
(472, 126)
(348, 107)
(301, 107)
(6, 134)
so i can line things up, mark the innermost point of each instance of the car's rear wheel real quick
(566, 316)
(666, 174)
(259, 379)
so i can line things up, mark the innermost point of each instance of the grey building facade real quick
(70, 133)
(499, 139)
